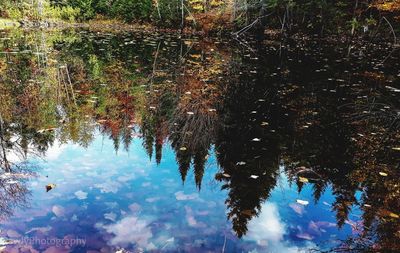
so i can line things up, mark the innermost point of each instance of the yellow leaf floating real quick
(183, 149)
(383, 174)
(303, 179)
(387, 213)
(50, 187)
(195, 56)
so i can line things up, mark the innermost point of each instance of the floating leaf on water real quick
(387, 213)
(383, 174)
(264, 123)
(241, 163)
(367, 205)
(183, 149)
(226, 175)
(256, 139)
(212, 110)
(190, 113)
(254, 176)
(50, 187)
(302, 202)
(303, 179)
(396, 148)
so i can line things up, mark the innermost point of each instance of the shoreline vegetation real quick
(209, 18)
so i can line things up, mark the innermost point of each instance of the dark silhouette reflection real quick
(192, 131)
(319, 136)
(249, 158)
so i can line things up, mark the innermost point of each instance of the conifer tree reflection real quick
(247, 145)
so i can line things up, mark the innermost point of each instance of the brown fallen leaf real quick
(50, 187)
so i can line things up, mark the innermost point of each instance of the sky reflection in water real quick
(124, 200)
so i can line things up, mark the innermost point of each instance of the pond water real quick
(135, 142)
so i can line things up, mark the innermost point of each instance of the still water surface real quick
(156, 143)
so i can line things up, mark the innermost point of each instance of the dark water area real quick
(156, 143)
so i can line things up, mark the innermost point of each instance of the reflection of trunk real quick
(158, 8)
(182, 15)
(5, 162)
(65, 85)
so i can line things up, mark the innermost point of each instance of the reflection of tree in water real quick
(343, 139)
(14, 170)
(322, 151)
(22, 112)
(247, 145)
(155, 121)
(13, 194)
(317, 138)
(192, 127)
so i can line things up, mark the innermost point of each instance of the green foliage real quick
(312, 16)
(168, 12)
(85, 6)
(130, 10)
(95, 67)
(14, 13)
(67, 13)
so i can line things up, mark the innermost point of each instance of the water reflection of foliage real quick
(341, 147)
(320, 130)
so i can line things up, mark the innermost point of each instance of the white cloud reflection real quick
(130, 230)
(268, 231)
